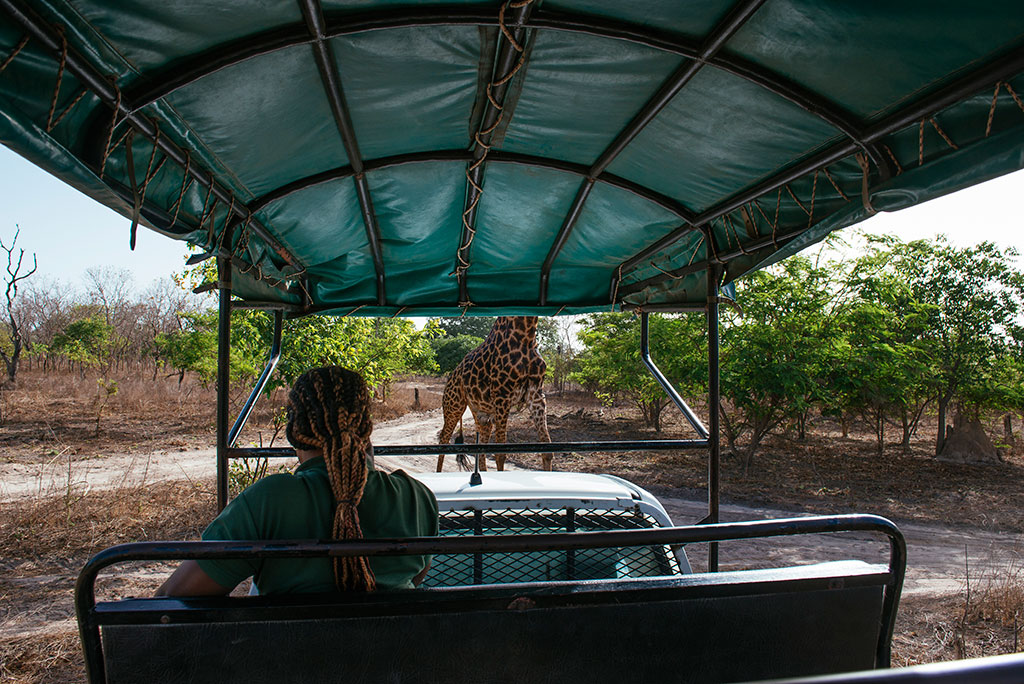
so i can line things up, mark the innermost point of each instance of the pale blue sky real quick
(71, 233)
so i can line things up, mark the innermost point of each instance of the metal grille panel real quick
(540, 566)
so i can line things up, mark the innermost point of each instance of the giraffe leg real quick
(501, 432)
(538, 408)
(453, 404)
(484, 424)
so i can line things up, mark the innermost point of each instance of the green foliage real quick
(479, 326)
(610, 362)
(903, 327)
(449, 351)
(86, 341)
(193, 348)
(378, 349)
(473, 326)
(773, 358)
(971, 299)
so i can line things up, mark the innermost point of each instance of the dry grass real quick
(401, 397)
(49, 532)
(46, 658)
(995, 605)
(984, 619)
(46, 540)
(56, 413)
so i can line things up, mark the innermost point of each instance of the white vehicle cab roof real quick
(538, 489)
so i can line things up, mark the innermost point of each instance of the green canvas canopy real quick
(375, 157)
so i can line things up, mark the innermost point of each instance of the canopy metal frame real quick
(708, 437)
(318, 28)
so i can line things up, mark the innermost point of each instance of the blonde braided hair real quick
(329, 409)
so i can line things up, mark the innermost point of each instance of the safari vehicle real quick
(547, 503)
(533, 157)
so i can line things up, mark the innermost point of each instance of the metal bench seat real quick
(713, 627)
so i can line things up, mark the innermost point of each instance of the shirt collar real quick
(320, 464)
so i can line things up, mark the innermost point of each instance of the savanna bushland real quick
(887, 382)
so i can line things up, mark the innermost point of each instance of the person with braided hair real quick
(335, 493)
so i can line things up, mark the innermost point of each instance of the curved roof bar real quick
(328, 68)
(1003, 67)
(163, 82)
(342, 172)
(732, 23)
(95, 81)
(808, 100)
(152, 87)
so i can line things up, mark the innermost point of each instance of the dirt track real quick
(936, 555)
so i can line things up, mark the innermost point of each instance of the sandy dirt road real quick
(939, 558)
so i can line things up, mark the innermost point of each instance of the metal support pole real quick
(223, 378)
(645, 354)
(275, 355)
(714, 397)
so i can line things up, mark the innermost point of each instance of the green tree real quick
(378, 349)
(609, 362)
(888, 368)
(775, 356)
(885, 370)
(86, 341)
(193, 348)
(449, 351)
(474, 326)
(975, 299)
(478, 326)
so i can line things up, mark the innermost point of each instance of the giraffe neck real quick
(521, 330)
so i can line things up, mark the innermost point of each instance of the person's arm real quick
(191, 580)
(418, 579)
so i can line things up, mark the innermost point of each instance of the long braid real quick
(329, 409)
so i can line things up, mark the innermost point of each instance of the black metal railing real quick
(614, 562)
(89, 625)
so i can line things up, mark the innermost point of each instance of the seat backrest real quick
(720, 627)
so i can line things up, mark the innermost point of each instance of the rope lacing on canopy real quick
(14, 53)
(51, 122)
(60, 76)
(113, 124)
(839, 189)
(463, 262)
(186, 183)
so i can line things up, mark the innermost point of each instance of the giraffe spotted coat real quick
(504, 372)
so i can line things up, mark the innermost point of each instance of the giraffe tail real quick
(461, 459)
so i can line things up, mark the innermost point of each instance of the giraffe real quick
(505, 371)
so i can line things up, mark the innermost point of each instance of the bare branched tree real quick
(12, 354)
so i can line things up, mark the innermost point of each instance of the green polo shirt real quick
(300, 505)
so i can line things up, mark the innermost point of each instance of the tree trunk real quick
(1008, 429)
(801, 426)
(940, 437)
(727, 428)
(880, 432)
(907, 429)
(656, 407)
(844, 422)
